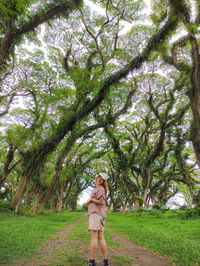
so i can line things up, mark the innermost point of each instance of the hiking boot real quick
(106, 262)
(91, 263)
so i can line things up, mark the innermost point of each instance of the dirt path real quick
(64, 250)
(140, 256)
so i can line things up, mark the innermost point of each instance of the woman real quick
(96, 218)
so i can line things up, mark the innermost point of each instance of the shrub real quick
(158, 210)
(157, 213)
(192, 213)
(4, 204)
(183, 208)
(84, 207)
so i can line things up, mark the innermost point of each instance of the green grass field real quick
(21, 235)
(168, 235)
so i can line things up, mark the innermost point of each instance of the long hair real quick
(105, 185)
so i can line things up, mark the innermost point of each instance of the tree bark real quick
(59, 205)
(150, 161)
(19, 196)
(7, 169)
(29, 197)
(186, 176)
(147, 180)
(28, 170)
(193, 94)
(195, 101)
(53, 203)
(73, 204)
(37, 206)
(137, 205)
(69, 188)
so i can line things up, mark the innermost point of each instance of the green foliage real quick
(190, 213)
(12, 8)
(4, 205)
(84, 207)
(140, 211)
(159, 11)
(157, 213)
(53, 91)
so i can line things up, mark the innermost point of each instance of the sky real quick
(85, 196)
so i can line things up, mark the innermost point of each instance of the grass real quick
(68, 255)
(121, 260)
(21, 235)
(167, 235)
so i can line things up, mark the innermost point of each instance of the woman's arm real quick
(99, 202)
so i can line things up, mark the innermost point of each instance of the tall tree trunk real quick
(195, 95)
(195, 129)
(123, 207)
(69, 189)
(148, 180)
(195, 99)
(19, 196)
(152, 158)
(7, 169)
(137, 205)
(113, 201)
(37, 206)
(183, 167)
(187, 178)
(59, 205)
(53, 203)
(31, 165)
(29, 197)
(114, 207)
(47, 194)
(73, 204)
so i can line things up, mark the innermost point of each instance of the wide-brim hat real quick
(103, 175)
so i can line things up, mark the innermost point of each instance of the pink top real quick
(99, 194)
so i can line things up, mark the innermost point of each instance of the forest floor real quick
(70, 246)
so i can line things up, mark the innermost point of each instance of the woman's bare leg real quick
(102, 244)
(93, 245)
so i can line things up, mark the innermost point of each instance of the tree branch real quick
(8, 105)
(11, 34)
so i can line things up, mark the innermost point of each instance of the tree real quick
(21, 17)
(188, 65)
(83, 80)
(34, 159)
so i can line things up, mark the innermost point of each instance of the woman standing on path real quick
(96, 218)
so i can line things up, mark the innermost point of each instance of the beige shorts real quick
(96, 222)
